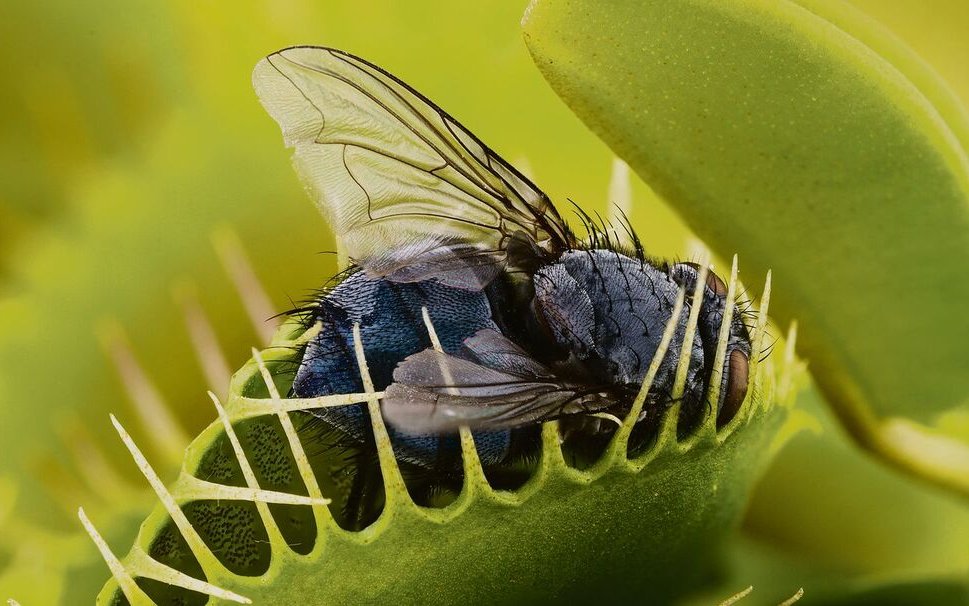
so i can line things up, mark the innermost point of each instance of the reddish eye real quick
(736, 387)
(715, 284)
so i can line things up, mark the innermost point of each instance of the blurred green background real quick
(130, 134)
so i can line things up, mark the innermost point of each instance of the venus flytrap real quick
(414, 554)
(675, 476)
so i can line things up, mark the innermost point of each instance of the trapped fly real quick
(535, 324)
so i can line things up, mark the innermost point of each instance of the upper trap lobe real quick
(391, 328)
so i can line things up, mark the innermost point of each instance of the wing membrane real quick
(395, 174)
(436, 392)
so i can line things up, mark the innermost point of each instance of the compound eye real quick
(714, 282)
(736, 388)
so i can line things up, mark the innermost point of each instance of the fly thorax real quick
(611, 311)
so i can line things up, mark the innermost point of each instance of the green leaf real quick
(808, 141)
(830, 518)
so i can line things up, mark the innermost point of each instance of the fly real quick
(535, 324)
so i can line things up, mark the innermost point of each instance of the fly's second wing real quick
(410, 192)
(435, 392)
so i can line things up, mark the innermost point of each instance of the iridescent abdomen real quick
(391, 328)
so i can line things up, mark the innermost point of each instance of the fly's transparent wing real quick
(411, 193)
(435, 392)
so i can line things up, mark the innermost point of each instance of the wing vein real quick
(475, 179)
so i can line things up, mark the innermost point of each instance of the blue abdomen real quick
(391, 328)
